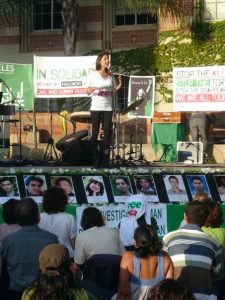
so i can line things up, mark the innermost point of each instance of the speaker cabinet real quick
(190, 152)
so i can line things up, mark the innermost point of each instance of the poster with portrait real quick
(95, 189)
(175, 188)
(146, 185)
(8, 188)
(198, 185)
(141, 94)
(220, 183)
(66, 183)
(35, 185)
(121, 188)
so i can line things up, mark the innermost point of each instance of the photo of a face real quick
(198, 185)
(35, 185)
(220, 182)
(146, 185)
(8, 188)
(121, 187)
(175, 188)
(95, 189)
(66, 183)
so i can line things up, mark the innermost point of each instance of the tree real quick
(12, 9)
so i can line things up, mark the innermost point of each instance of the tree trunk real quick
(70, 25)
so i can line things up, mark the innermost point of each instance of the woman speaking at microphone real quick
(102, 86)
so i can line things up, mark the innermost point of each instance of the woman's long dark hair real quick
(52, 287)
(147, 240)
(89, 190)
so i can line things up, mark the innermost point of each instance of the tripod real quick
(50, 149)
(141, 159)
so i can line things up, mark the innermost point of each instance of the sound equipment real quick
(67, 141)
(190, 152)
(169, 117)
(80, 153)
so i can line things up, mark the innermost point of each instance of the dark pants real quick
(96, 120)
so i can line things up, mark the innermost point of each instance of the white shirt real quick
(102, 96)
(61, 224)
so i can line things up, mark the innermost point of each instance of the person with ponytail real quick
(144, 267)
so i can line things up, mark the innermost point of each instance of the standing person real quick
(54, 218)
(20, 249)
(102, 86)
(145, 267)
(200, 124)
(196, 255)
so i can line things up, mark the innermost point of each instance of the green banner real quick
(17, 85)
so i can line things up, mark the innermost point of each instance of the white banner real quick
(156, 215)
(199, 88)
(62, 77)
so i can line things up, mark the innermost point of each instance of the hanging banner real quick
(156, 215)
(62, 77)
(141, 95)
(16, 83)
(199, 88)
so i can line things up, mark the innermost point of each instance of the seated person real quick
(145, 267)
(96, 237)
(136, 207)
(55, 280)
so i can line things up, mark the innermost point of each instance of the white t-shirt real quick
(102, 96)
(61, 224)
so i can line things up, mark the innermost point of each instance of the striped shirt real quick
(196, 257)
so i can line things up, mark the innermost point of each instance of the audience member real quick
(10, 225)
(20, 249)
(9, 218)
(34, 186)
(54, 218)
(145, 267)
(96, 237)
(8, 188)
(55, 280)
(136, 208)
(170, 289)
(213, 227)
(195, 254)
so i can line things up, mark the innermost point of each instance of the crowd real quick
(43, 257)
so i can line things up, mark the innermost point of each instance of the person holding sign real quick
(101, 87)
